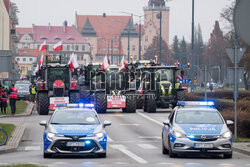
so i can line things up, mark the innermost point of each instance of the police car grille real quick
(205, 138)
(62, 145)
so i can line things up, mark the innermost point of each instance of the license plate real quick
(75, 144)
(203, 145)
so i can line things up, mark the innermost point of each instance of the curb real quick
(241, 151)
(28, 111)
(14, 141)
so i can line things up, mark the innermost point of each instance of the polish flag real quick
(58, 46)
(106, 63)
(123, 64)
(41, 62)
(42, 47)
(73, 62)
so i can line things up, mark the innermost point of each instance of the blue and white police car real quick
(74, 129)
(196, 127)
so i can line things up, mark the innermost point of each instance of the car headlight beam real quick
(226, 135)
(50, 135)
(178, 134)
(99, 135)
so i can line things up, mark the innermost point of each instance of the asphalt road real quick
(134, 140)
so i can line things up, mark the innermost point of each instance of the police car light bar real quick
(80, 105)
(195, 103)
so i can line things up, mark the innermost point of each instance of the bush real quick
(226, 94)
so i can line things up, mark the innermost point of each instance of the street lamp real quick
(192, 57)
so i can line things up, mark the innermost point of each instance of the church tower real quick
(152, 22)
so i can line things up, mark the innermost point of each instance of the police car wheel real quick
(164, 150)
(47, 155)
(171, 154)
(228, 156)
(102, 155)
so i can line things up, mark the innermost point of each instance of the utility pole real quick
(112, 51)
(192, 57)
(140, 39)
(160, 35)
(128, 43)
(235, 83)
(108, 49)
(205, 83)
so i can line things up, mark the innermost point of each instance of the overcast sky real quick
(41, 12)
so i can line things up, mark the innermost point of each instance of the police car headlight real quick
(178, 134)
(99, 135)
(227, 135)
(50, 135)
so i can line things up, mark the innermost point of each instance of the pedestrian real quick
(0, 95)
(13, 97)
(3, 100)
(211, 87)
(32, 93)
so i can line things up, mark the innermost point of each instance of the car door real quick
(166, 128)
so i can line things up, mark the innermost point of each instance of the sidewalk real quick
(242, 147)
(16, 137)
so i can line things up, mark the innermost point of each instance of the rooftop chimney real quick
(104, 15)
(49, 28)
(65, 24)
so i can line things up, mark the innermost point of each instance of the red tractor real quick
(55, 84)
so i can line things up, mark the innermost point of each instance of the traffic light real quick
(188, 64)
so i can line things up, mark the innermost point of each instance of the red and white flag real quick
(140, 90)
(42, 47)
(106, 63)
(123, 64)
(73, 62)
(58, 46)
(41, 62)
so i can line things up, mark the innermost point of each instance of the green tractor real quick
(114, 88)
(160, 86)
(55, 85)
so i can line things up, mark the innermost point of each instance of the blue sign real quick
(186, 81)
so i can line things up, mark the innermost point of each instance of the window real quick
(68, 47)
(83, 47)
(18, 59)
(38, 46)
(146, 38)
(78, 57)
(31, 59)
(145, 47)
(22, 68)
(82, 57)
(77, 47)
(133, 47)
(24, 59)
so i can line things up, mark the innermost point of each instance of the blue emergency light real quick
(195, 103)
(80, 105)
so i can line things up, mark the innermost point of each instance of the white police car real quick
(196, 127)
(74, 129)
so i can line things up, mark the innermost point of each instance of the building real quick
(8, 39)
(25, 36)
(114, 36)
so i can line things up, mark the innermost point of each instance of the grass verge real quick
(20, 108)
(241, 139)
(21, 165)
(9, 128)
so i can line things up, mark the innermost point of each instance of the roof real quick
(31, 52)
(200, 108)
(54, 34)
(7, 5)
(24, 30)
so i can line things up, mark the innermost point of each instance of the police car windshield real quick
(198, 117)
(75, 117)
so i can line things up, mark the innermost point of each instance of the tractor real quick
(160, 86)
(114, 88)
(55, 84)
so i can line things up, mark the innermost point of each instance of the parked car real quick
(23, 91)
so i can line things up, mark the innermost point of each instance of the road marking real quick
(150, 137)
(120, 163)
(147, 146)
(109, 139)
(130, 124)
(165, 163)
(32, 148)
(151, 119)
(224, 164)
(124, 150)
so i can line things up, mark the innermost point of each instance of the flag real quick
(73, 62)
(40, 63)
(123, 64)
(42, 47)
(106, 63)
(140, 90)
(58, 46)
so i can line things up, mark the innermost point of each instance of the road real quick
(134, 140)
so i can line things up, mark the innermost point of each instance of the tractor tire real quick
(43, 104)
(85, 95)
(130, 104)
(100, 102)
(139, 102)
(74, 97)
(150, 104)
(180, 95)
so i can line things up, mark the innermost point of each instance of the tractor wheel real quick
(149, 104)
(85, 95)
(180, 95)
(43, 104)
(130, 104)
(139, 102)
(74, 97)
(100, 102)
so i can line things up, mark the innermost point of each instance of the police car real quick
(196, 127)
(74, 129)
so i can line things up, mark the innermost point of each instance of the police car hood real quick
(205, 129)
(75, 130)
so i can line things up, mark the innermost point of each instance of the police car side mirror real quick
(229, 122)
(166, 123)
(106, 123)
(43, 123)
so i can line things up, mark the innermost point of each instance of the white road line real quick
(151, 119)
(165, 163)
(124, 150)
(147, 146)
(247, 164)
(109, 139)
(32, 148)
(130, 124)
(150, 137)
(225, 164)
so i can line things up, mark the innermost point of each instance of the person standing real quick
(3, 100)
(0, 95)
(13, 97)
(32, 93)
